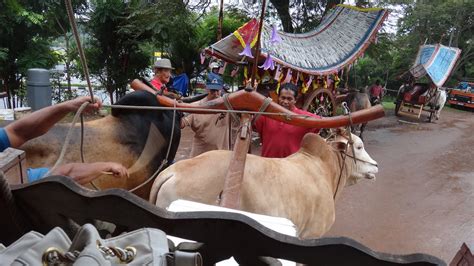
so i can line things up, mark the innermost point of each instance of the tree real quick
(112, 49)
(302, 15)
(59, 25)
(448, 22)
(206, 31)
(23, 42)
(26, 31)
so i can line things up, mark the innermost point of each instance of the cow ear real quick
(338, 146)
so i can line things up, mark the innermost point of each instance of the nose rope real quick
(347, 111)
(360, 160)
(344, 156)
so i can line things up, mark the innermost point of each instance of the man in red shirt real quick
(162, 69)
(280, 140)
(375, 92)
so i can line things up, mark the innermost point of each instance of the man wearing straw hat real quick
(38, 123)
(211, 131)
(162, 69)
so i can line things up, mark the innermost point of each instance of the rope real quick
(347, 111)
(344, 155)
(205, 110)
(68, 138)
(82, 139)
(360, 160)
(264, 106)
(82, 57)
(350, 142)
(165, 160)
(229, 107)
(72, 21)
(82, 149)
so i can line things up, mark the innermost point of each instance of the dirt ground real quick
(423, 197)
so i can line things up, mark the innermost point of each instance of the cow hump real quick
(315, 145)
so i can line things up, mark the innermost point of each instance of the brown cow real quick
(138, 139)
(358, 101)
(300, 187)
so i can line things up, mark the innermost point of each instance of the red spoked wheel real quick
(321, 102)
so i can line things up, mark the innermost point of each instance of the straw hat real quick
(163, 63)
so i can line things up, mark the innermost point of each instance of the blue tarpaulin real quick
(181, 84)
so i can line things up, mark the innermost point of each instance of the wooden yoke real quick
(252, 101)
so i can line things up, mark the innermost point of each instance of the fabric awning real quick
(343, 35)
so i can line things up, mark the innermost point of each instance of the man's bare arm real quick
(84, 173)
(39, 122)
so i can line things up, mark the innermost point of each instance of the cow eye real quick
(359, 147)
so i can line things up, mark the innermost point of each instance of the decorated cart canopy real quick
(339, 40)
(437, 61)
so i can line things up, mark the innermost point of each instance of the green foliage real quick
(21, 34)
(206, 31)
(447, 22)
(3, 55)
(113, 52)
(423, 21)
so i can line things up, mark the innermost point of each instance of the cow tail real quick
(155, 189)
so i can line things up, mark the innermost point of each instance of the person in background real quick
(214, 66)
(376, 92)
(38, 123)
(162, 69)
(279, 139)
(211, 131)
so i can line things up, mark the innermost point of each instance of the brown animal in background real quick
(357, 101)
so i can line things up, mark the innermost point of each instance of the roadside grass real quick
(388, 105)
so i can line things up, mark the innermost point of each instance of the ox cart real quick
(315, 60)
(436, 63)
(58, 201)
(412, 101)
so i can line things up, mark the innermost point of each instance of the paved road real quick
(423, 198)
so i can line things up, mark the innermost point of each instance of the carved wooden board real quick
(47, 203)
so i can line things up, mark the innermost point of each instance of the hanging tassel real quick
(268, 64)
(289, 74)
(245, 72)
(278, 75)
(275, 37)
(222, 69)
(337, 80)
(295, 81)
(247, 51)
(307, 84)
(234, 71)
(202, 57)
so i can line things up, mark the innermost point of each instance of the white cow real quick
(438, 101)
(301, 187)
